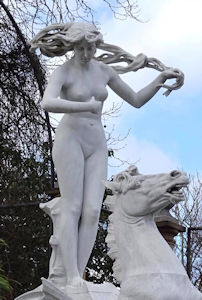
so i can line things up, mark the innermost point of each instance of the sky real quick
(165, 134)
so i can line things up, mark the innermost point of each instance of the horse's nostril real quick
(175, 173)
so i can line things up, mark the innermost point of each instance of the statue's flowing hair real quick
(58, 39)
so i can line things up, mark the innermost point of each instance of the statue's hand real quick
(171, 73)
(95, 106)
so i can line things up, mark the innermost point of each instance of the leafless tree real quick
(189, 214)
(32, 15)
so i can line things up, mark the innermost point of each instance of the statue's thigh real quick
(95, 174)
(69, 163)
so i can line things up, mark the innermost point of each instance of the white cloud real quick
(178, 19)
(173, 34)
(149, 157)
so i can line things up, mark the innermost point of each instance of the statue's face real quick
(84, 51)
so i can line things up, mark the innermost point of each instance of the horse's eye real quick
(175, 173)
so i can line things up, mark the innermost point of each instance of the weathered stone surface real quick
(145, 265)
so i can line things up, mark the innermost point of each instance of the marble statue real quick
(78, 89)
(145, 265)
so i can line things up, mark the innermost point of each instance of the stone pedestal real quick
(48, 291)
(169, 230)
(168, 226)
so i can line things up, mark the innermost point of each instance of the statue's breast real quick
(83, 89)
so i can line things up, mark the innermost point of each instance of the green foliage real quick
(24, 167)
(22, 178)
(5, 287)
(24, 150)
(27, 231)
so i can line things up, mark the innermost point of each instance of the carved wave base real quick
(139, 287)
(159, 287)
(49, 291)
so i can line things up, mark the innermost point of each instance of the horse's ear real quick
(108, 184)
(115, 187)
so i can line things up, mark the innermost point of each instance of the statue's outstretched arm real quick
(144, 95)
(52, 103)
(116, 55)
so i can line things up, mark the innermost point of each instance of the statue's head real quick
(140, 195)
(58, 39)
(79, 31)
(85, 39)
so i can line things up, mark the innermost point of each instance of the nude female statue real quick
(78, 89)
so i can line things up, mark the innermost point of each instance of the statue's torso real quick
(82, 84)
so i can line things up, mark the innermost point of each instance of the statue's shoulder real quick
(102, 65)
(106, 68)
(62, 70)
(67, 66)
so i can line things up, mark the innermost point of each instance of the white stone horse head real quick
(145, 194)
(145, 265)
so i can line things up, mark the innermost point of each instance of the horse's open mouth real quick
(177, 191)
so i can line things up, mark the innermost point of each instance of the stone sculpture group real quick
(78, 89)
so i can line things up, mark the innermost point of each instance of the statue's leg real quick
(69, 162)
(95, 172)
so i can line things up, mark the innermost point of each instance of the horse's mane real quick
(121, 183)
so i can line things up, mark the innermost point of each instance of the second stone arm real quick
(66, 106)
(144, 95)
(53, 103)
